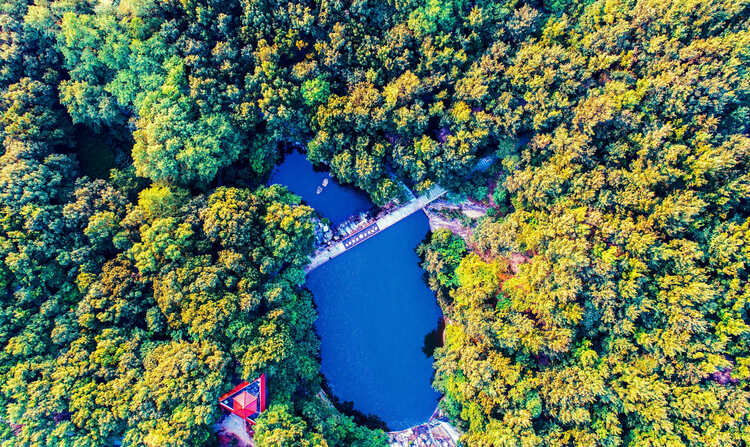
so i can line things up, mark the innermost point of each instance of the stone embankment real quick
(331, 251)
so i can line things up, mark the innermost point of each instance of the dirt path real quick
(231, 432)
(462, 227)
(438, 222)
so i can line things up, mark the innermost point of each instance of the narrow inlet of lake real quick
(331, 200)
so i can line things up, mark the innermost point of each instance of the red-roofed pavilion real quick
(245, 405)
(247, 400)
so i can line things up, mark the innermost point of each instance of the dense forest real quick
(603, 301)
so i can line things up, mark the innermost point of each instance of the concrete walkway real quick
(412, 206)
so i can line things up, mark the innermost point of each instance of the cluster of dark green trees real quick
(605, 303)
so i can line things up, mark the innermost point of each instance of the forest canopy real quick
(146, 267)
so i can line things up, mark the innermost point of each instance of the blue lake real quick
(374, 311)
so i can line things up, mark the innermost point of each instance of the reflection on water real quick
(434, 338)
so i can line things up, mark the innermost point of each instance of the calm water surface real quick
(375, 310)
(335, 202)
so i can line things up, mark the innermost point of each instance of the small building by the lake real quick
(247, 400)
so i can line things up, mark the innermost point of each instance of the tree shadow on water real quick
(370, 421)
(434, 339)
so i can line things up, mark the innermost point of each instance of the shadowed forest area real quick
(145, 268)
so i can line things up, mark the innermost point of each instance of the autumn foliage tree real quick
(619, 321)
